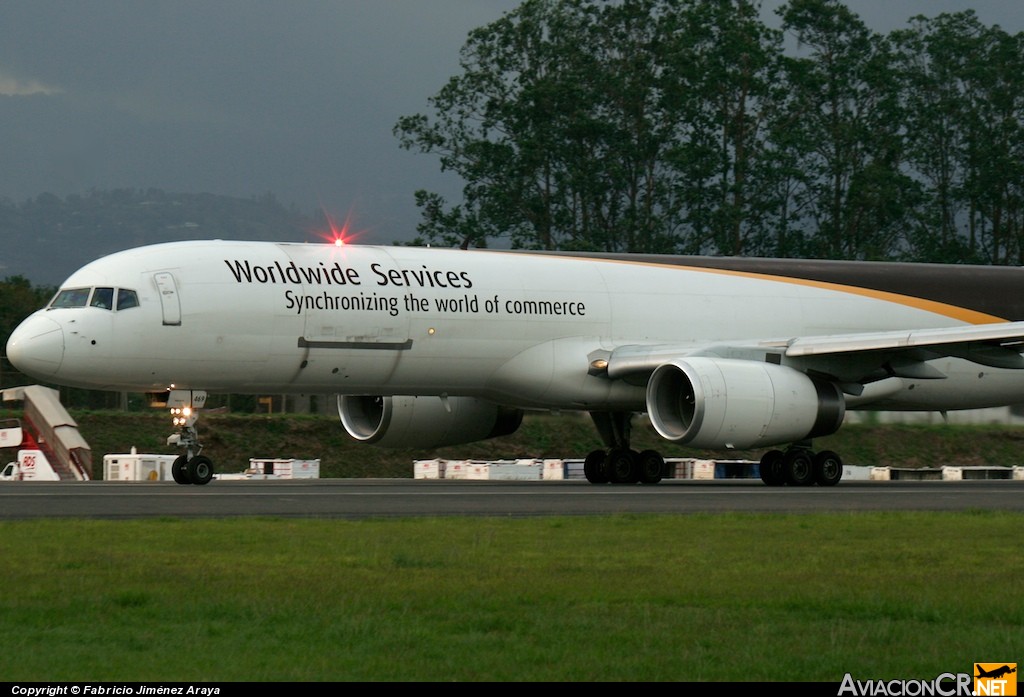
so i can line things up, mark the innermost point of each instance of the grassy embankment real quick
(230, 440)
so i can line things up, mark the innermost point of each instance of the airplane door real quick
(169, 303)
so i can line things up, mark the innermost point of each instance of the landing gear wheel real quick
(200, 470)
(799, 467)
(828, 468)
(622, 466)
(595, 467)
(179, 470)
(651, 466)
(772, 472)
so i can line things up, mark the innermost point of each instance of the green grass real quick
(626, 598)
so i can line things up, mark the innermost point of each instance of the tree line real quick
(690, 126)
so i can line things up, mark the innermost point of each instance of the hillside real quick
(46, 238)
(230, 440)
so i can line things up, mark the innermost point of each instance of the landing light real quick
(180, 415)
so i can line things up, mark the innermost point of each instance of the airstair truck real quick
(51, 445)
(31, 466)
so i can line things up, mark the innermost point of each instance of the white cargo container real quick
(138, 467)
(429, 469)
(691, 468)
(856, 472)
(456, 469)
(574, 469)
(554, 470)
(282, 468)
(505, 470)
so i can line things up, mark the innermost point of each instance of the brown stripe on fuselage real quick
(970, 293)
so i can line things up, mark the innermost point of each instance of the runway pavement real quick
(368, 498)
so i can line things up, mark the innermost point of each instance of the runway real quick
(391, 498)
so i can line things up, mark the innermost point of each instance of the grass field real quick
(626, 598)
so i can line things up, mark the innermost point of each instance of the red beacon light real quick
(339, 235)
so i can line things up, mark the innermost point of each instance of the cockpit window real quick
(126, 298)
(102, 298)
(71, 297)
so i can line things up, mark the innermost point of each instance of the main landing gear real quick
(624, 466)
(619, 464)
(799, 466)
(796, 466)
(190, 468)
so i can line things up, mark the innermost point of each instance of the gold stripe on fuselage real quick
(991, 293)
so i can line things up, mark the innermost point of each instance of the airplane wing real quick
(953, 341)
(862, 357)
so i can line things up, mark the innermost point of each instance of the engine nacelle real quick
(719, 403)
(425, 422)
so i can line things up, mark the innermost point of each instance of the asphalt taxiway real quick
(390, 498)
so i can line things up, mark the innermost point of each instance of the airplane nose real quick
(36, 347)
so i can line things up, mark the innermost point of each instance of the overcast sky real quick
(244, 97)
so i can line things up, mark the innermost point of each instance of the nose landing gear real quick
(190, 468)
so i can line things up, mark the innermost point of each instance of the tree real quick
(586, 125)
(18, 299)
(994, 187)
(960, 84)
(928, 64)
(852, 185)
(723, 63)
(498, 124)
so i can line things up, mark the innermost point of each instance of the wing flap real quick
(989, 335)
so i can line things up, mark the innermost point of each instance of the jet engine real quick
(718, 403)
(425, 422)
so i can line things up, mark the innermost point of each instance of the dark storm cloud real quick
(233, 97)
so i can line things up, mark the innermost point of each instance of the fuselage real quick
(513, 327)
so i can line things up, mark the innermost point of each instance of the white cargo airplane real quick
(431, 347)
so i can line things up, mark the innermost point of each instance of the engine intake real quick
(719, 403)
(424, 422)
